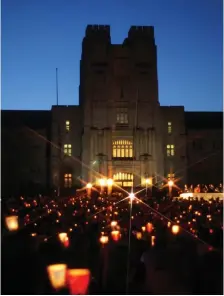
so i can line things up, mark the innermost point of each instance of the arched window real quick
(122, 149)
(123, 179)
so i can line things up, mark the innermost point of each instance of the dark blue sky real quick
(40, 35)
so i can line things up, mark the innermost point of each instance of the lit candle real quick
(113, 224)
(149, 227)
(143, 228)
(175, 229)
(153, 238)
(115, 235)
(104, 239)
(12, 223)
(57, 275)
(78, 281)
(63, 237)
(138, 235)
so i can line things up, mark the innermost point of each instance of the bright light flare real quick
(132, 196)
(148, 181)
(89, 185)
(110, 182)
(102, 182)
(170, 183)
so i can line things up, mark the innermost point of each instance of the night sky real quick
(41, 35)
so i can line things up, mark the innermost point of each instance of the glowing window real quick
(122, 115)
(67, 180)
(122, 148)
(170, 150)
(68, 149)
(169, 127)
(123, 179)
(170, 176)
(67, 125)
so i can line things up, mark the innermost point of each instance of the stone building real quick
(118, 130)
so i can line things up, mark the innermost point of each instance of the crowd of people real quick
(144, 252)
(203, 188)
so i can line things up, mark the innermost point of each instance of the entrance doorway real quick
(123, 179)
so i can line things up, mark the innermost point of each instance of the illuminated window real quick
(68, 180)
(122, 149)
(123, 179)
(170, 150)
(122, 115)
(170, 176)
(169, 127)
(67, 125)
(68, 149)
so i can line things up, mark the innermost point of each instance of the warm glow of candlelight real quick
(113, 223)
(148, 181)
(169, 224)
(57, 275)
(104, 239)
(175, 229)
(63, 237)
(12, 223)
(149, 227)
(115, 235)
(138, 235)
(78, 281)
(143, 228)
(153, 238)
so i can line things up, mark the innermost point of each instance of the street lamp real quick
(170, 184)
(110, 183)
(89, 187)
(148, 182)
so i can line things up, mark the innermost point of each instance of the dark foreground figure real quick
(170, 267)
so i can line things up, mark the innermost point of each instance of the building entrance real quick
(123, 179)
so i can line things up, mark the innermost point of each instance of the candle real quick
(57, 275)
(78, 281)
(113, 224)
(63, 237)
(175, 229)
(115, 235)
(104, 239)
(149, 227)
(138, 235)
(12, 223)
(153, 238)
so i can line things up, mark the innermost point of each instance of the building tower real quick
(121, 112)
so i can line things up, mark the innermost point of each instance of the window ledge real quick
(123, 158)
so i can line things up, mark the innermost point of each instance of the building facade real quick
(118, 130)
